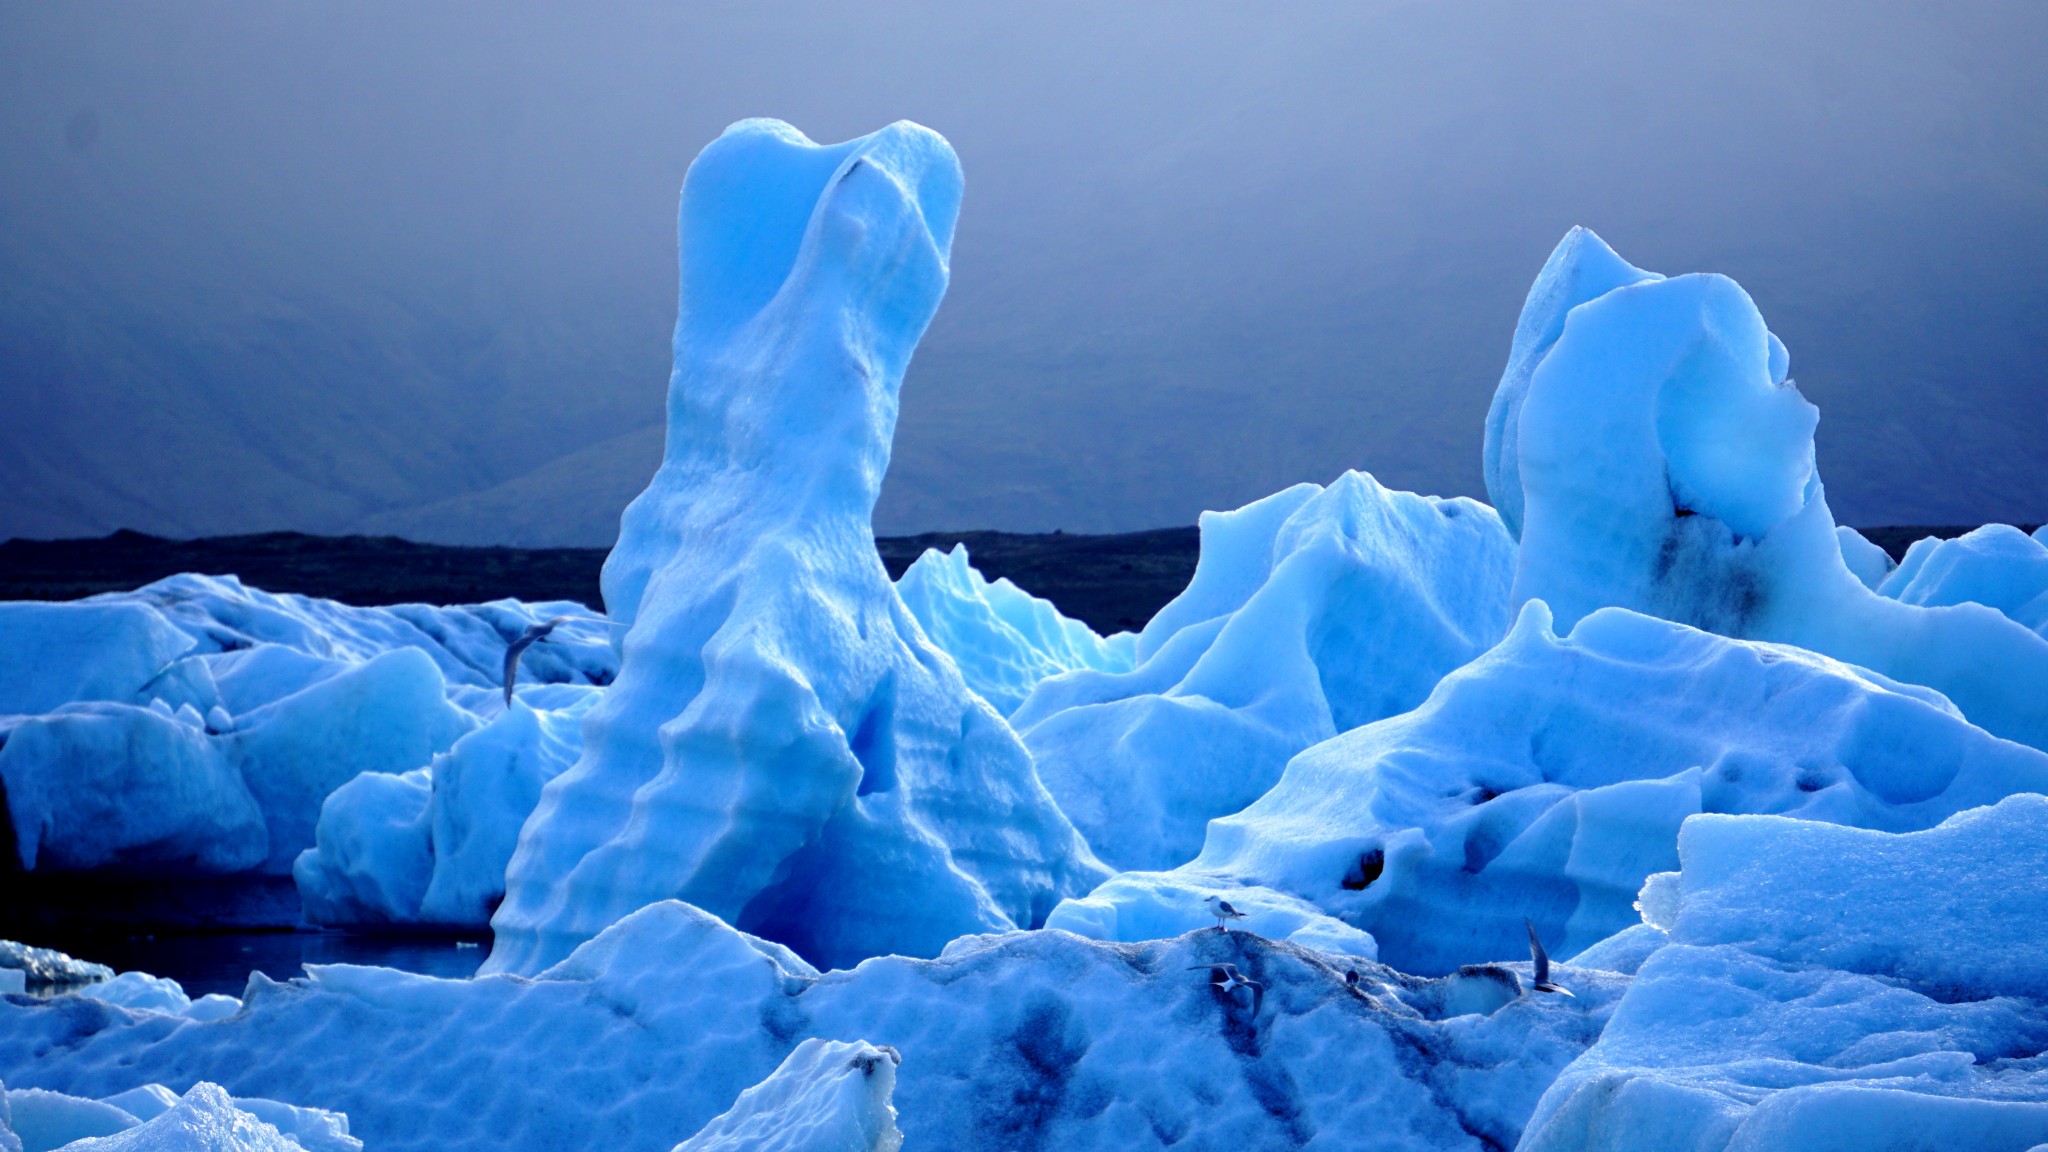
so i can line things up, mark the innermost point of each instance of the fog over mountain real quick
(405, 267)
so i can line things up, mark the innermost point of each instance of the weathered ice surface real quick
(1313, 611)
(783, 747)
(1003, 639)
(828, 1096)
(1664, 463)
(1829, 988)
(1549, 777)
(1021, 1040)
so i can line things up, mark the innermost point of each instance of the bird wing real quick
(512, 653)
(1228, 908)
(1537, 955)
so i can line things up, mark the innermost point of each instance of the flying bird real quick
(527, 639)
(1541, 960)
(1222, 911)
(1228, 978)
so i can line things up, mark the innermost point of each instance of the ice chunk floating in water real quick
(783, 747)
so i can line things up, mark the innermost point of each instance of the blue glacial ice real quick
(1311, 612)
(826, 1094)
(655, 1027)
(783, 746)
(1829, 988)
(1550, 777)
(1867, 561)
(155, 1119)
(1663, 461)
(1997, 566)
(195, 726)
(1003, 639)
(430, 846)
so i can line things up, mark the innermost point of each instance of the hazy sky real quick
(410, 266)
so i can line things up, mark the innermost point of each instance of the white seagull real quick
(1222, 911)
(527, 639)
(1228, 978)
(1541, 960)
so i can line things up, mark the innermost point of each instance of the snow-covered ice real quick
(1831, 988)
(827, 1096)
(1024, 1039)
(783, 746)
(1549, 777)
(1311, 612)
(1003, 639)
(1664, 462)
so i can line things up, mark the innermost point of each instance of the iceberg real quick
(1830, 988)
(655, 1027)
(1663, 461)
(194, 727)
(1997, 566)
(1550, 777)
(430, 846)
(825, 1095)
(783, 746)
(205, 1119)
(1311, 612)
(1003, 639)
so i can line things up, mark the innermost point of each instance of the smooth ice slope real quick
(1030, 1039)
(1549, 777)
(827, 1096)
(430, 846)
(1870, 563)
(782, 746)
(1830, 988)
(1997, 566)
(1004, 639)
(1311, 612)
(1664, 463)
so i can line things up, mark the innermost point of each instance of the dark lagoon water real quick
(221, 961)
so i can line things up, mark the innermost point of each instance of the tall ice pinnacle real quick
(783, 747)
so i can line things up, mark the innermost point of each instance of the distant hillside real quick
(1113, 582)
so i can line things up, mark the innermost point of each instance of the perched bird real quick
(527, 639)
(1228, 978)
(1351, 977)
(1222, 911)
(1541, 960)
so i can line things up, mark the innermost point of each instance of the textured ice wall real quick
(1004, 639)
(1664, 462)
(1830, 988)
(1311, 612)
(1023, 1040)
(782, 746)
(1549, 777)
